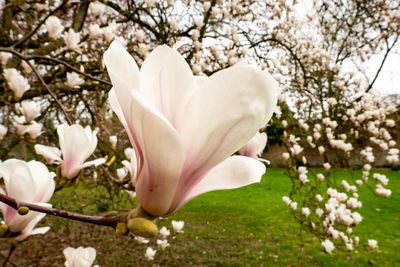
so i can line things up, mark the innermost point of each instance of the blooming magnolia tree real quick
(190, 106)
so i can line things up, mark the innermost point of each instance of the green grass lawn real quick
(249, 226)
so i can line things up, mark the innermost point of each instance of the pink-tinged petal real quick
(77, 144)
(255, 146)
(123, 113)
(115, 106)
(120, 63)
(3, 206)
(167, 82)
(19, 222)
(29, 228)
(38, 231)
(234, 172)
(24, 181)
(113, 100)
(121, 68)
(131, 166)
(222, 116)
(163, 154)
(95, 163)
(92, 141)
(18, 180)
(44, 184)
(48, 152)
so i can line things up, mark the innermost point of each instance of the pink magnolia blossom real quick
(72, 39)
(184, 129)
(74, 80)
(30, 109)
(17, 83)
(29, 182)
(77, 144)
(54, 27)
(34, 129)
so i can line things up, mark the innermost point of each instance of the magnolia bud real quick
(113, 140)
(142, 227)
(23, 210)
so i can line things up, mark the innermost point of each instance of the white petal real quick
(121, 67)
(44, 183)
(18, 180)
(95, 162)
(234, 172)
(116, 107)
(76, 144)
(163, 157)
(49, 152)
(119, 61)
(29, 228)
(222, 116)
(69, 254)
(28, 221)
(167, 81)
(255, 146)
(40, 230)
(120, 100)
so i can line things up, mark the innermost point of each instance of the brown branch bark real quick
(98, 220)
(20, 42)
(70, 67)
(21, 56)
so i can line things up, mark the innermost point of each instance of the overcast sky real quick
(388, 81)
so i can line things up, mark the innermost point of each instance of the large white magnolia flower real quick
(184, 129)
(77, 144)
(79, 257)
(29, 182)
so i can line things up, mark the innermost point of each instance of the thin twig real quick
(21, 56)
(389, 48)
(70, 67)
(12, 249)
(111, 221)
(40, 24)
(9, 261)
